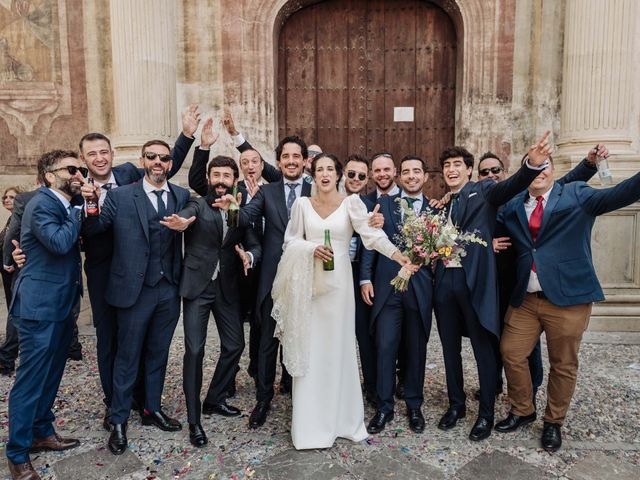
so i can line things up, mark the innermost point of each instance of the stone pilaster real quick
(598, 79)
(143, 45)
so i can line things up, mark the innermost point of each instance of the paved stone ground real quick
(602, 438)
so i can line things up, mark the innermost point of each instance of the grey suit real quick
(208, 249)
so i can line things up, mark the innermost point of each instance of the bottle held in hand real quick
(233, 214)
(91, 206)
(327, 265)
(604, 174)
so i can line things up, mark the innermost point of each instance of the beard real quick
(66, 186)
(156, 178)
(212, 195)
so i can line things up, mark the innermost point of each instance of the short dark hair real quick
(222, 161)
(453, 152)
(489, 155)
(49, 160)
(354, 157)
(292, 139)
(90, 137)
(155, 142)
(336, 163)
(407, 158)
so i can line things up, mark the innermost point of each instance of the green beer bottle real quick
(328, 265)
(233, 214)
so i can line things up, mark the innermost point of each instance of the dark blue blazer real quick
(271, 204)
(562, 250)
(50, 282)
(477, 211)
(99, 248)
(381, 270)
(125, 211)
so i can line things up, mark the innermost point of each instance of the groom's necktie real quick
(455, 201)
(291, 197)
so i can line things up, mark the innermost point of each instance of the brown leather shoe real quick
(22, 471)
(53, 443)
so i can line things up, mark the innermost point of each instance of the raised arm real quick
(94, 225)
(598, 201)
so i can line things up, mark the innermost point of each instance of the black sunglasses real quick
(72, 169)
(153, 155)
(361, 176)
(495, 170)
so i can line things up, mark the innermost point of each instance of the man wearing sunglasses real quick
(142, 285)
(97, 154)
(45, 304)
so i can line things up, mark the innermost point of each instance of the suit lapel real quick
(306, 189)
(554, 196)
(281, 202)
(141, 201)
(463, 200)
(522, 214)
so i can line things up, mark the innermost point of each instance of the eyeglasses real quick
(153, 155)
(485, 171)
(72, 169)
(361, 176)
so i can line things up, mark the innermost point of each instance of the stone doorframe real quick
(485, 36)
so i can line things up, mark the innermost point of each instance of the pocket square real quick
(472, 194)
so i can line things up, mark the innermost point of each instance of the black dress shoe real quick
(118, 438)
(481, 429)
(513, 422)
(400, 389)
(416, 420)
(106, 421)
(450, 418)
(259, 414)
(161, 420)
(220, 409)
(379, 421)
(7, 369)
(551, 437)
(197, 437)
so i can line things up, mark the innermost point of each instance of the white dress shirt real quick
(103, 191)
(394, 191)
(149, 189)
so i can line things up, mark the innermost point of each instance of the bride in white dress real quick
(315, 310)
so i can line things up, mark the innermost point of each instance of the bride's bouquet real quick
(429, 237)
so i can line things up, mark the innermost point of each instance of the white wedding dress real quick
(317, 325)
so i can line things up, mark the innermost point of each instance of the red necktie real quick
(535, 220)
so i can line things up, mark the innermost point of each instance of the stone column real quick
(144, 73)
(598, 77)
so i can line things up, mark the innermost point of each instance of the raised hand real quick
(252, 186)
(90, 191)
(376, 219)
(246, 261)
(18, 257)
(224, 201)
(227, 122)
(540, 151)
(208, 137)
(190, 120)
(598, 151)
(177, 223)
(440, 204)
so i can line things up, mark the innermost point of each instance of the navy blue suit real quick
(143, 287)
(98, 251)
(466, 298)
(45, 301)
(393, 314)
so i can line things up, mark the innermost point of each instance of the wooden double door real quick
(345, 67)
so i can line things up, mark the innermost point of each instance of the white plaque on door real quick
(403, 114)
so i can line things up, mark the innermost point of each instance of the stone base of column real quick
(619, 313)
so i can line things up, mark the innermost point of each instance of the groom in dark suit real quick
(273, 202)
(143, 285)
(399, 317)
(466, 294)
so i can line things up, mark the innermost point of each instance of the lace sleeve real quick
(372, 238)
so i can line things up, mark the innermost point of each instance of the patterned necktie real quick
(162, 209)
(291, 197)
(411, 202)
(535, 220)
(107, 186)
(455, 200)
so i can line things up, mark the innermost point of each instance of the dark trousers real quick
(366, 340)
(145, 331)
(229, 323)
(9, 349)
(400, 312)
(106, 325)
(455, 315)
(43, 355)
(268, 355)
